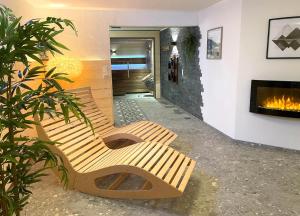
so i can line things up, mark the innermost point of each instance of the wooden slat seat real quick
(165, 170)
(143, 131)
(88, 159)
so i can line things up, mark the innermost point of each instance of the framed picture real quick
(214, 43)
(284, 38)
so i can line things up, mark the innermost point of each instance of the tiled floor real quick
(127, 110)
(232, 178)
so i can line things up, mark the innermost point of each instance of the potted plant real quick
(20, 101)
(190, 45)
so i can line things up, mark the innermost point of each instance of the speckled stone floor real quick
(232, 178)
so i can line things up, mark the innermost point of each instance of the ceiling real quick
(180, 5)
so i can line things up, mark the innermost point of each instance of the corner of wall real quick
(238, 65)
(220, 77)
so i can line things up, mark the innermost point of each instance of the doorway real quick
(150, 37)
(135, 60)
(132, 61)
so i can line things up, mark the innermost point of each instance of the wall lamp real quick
(173, 47)
(173, 43)
(113, 52)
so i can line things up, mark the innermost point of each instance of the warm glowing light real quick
(174, 33)
(71, 66)
(175, 51)
(113, 52)
(284, 103)
(56, 5)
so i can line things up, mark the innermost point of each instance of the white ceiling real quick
(180, 5)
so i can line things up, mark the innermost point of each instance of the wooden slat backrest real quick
(86, 98)
(76, 140)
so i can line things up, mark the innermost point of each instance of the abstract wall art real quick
(173, 67)
(284, 38)
(214, 43)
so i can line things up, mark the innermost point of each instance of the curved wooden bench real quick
(143, 131)
(165, 171)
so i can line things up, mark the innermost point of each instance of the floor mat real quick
(127, 111)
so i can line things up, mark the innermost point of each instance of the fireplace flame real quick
(284, 103)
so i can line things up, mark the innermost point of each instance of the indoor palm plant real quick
(23, 94)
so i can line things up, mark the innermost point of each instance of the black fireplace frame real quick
(254, 108)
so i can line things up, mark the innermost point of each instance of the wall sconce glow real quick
(56, 5)
(174, 34)
(173, 44)
(71, 66)
(113, 52)
(175, 51)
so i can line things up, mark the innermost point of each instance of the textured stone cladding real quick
(187, 93)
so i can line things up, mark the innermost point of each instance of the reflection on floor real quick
(233, 178)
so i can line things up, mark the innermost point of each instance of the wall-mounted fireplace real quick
(278, 98)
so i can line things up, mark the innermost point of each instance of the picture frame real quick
(214, 43)
(173, 67)
(284, 38)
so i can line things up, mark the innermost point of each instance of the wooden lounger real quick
(164, 170)
(143, 131)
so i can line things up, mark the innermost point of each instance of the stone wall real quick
(187, 92)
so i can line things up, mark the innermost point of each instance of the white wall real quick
(269, 130)
(15, 6)
(227, 82)
(220, 76)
